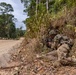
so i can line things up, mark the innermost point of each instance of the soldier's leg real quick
(52, 56)
(53, 53)
(62, 52)
(68, 61)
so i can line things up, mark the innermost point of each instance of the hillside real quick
(34, 55)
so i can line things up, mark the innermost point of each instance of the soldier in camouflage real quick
(62, 44)
(50, 40)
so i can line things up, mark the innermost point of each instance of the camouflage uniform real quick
(50, 40)
(65, 44)
(62, 51)
(56, 40)
(62, 44)
(63, 57)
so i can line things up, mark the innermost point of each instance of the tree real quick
(37, 11)
(10, 27)
(47, 5)
(20, 32)
(5, 8)
(36, 6)
(7, 26)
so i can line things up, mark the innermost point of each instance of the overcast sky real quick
(18, 11)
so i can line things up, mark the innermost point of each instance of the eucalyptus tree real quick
(6, 20)
(5, 8)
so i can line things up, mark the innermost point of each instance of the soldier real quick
(60, 39)
(63, 57)
(50, 39)
(62, 44)
(65, 45)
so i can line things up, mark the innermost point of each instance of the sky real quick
(18, 12)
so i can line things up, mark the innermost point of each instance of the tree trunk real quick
(39, 1)
(36, 6)
(47, 5)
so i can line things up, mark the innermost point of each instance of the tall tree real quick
(6, 20)
(36, 6)
(5, 8)
(47, 5)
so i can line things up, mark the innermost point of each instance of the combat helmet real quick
(52, 32)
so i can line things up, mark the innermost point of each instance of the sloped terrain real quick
(32, 57)
(34, 64)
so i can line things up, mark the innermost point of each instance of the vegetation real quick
(7, 25)
(41, 12)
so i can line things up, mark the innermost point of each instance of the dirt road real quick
(5, 47)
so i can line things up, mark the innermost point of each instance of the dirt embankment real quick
(43, 66)
(34, 63)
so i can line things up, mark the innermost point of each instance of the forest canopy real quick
(7, 22)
